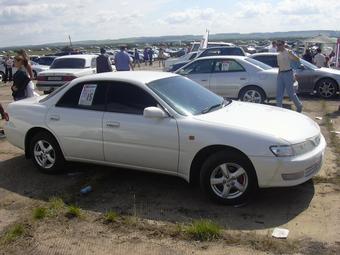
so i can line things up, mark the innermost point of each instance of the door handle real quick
(204, 80)
(112, 124)
(243, 79)
(55, 117)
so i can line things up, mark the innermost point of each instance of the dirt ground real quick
(151, 206)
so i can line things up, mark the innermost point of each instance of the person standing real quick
(123, 61)
(273, 47)
(308, 56)
(20, 79)
(8, 68)
(161, 57)
(150, 56)
(146, 56)
(285, 78)
(4, 115)
(136, 58)
(319, 59)
(103, 62)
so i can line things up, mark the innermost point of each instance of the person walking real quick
(8, 69)
(20, 79)
(308, 56)
(136, 58)
(285, 78)
(123, 61)
(319, 59)
(103, 62)
(4, 115)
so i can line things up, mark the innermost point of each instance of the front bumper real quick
(289, 171)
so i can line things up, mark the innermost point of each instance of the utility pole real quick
(69, 37)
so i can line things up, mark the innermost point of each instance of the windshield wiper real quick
(208, 109)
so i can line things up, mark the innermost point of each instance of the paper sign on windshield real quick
(87, 94)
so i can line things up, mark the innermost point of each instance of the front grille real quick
(313, 169)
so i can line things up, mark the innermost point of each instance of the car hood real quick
(280, 123)
(329, 70)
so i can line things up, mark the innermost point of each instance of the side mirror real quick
(154, 113)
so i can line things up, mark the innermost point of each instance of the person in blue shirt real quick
(123, 61)
(150, 53)
(136, 57)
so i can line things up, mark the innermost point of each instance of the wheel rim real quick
(252, 96)
(44, 154)
(229, 180)
(327, 89)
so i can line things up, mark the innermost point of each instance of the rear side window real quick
(269, 60)
(88, 96)
(232, 51)
(227, 65)
(128, 98)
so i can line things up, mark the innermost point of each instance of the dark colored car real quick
(214, 51)
(323, 81)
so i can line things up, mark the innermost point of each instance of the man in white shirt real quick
(8, 68)
(273, 47)
(319, 59)
(285, 78)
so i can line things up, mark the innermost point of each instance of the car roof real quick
(129, 76)
(222, 47)
(223, 57)
(80, 56)
(265, 54)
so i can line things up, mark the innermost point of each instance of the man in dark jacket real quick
(103, 62)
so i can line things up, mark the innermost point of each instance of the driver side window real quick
(202, 66)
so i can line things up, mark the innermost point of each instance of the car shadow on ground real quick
(151, 196)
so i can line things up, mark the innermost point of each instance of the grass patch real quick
(55, 206)
(73, 212)
(39, 213)
(111, 217)
(203, 230)
(13, 233)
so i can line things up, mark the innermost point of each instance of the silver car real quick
(322, 81)
(234, 77)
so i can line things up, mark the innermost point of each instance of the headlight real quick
(282, 150)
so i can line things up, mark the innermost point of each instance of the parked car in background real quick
(36, 69)
(234, 77)
(195, 46)
(169, 63)
(65, 69)
(322, 81)
(213, 51)
(45, 60)
(146, 121)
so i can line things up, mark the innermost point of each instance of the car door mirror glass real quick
(154, 113)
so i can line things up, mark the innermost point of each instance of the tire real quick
(46, 153)
(252, 94)
(326, 88)
(220, 168)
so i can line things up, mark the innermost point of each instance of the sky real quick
(24, 22)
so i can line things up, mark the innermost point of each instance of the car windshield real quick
(55, 92)
(258, 63)
(69, 63)
(175, 92)
(308, 65)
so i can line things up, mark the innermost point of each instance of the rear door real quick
(199, 71)
(228, 77)
(77, 121)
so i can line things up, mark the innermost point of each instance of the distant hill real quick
(188, 38)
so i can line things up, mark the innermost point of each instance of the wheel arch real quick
(252, 86)
(325, 78)
(31, 133)
(204, 153)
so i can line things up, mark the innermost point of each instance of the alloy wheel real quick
(252, 96)
(44, 154)
(327, 89)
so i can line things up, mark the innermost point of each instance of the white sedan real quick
(165, 123)
(65, 69)
(234, 77)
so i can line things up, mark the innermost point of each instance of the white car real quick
(234, 77)
(37, 69)
(65, 69)
(165, 123)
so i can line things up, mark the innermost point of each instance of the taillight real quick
(68, 78)
(41, 78)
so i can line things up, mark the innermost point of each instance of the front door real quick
(132, 140)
